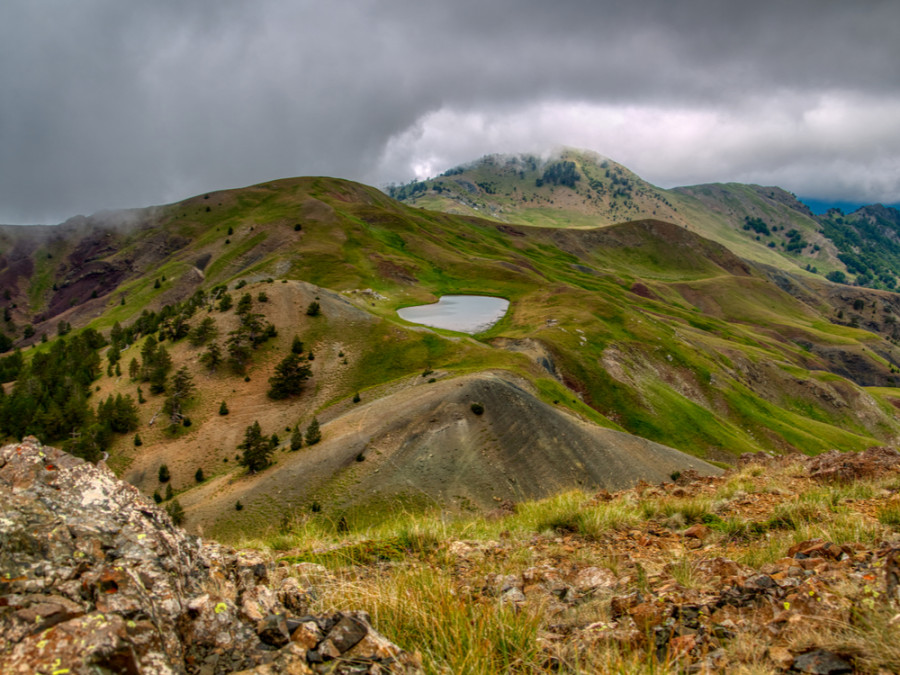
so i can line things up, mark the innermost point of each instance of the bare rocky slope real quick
(96, 579)
(424, 444)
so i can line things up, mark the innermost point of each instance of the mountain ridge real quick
(645, 326)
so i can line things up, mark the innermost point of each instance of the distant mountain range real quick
(581, 189)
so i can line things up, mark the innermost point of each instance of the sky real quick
(107, 104)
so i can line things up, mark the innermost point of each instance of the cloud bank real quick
(108, 104)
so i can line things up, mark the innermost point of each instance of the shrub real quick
(164, 474)
(313, 309)
(169, 492)
(157, 497)
(198, 476)
(223, 408)
(477, 408)
(356, 398)
(238, 506)
(137, 441)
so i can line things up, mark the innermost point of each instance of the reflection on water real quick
(463, 313)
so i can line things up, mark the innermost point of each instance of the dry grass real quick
(442, 604)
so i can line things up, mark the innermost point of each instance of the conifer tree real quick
(290, 374)
(256, 449)
(212, 357)
(296, 439)
(313, 433)
(181, 389)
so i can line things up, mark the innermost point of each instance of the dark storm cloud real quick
(109, 104)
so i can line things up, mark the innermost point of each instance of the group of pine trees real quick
(257, 449)
(50, 397)
(252, 331)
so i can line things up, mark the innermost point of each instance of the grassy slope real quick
(504, 188)
(653, 330)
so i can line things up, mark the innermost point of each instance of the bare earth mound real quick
(425, 442)
(520, 448)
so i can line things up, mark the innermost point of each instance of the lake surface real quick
(464, 313)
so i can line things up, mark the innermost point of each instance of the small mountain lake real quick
(464, 313)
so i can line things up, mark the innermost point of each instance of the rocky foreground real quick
(783, 565)
(96, 579)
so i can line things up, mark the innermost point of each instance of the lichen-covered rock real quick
(94, 578)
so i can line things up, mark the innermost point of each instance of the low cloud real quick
(108, 105)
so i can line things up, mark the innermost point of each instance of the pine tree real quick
(297, 345)
(181, 388)
(223, 409)
(198, 476)
(256, 449)
(296, 439)
(238, 346)
(164, 474)
(313, 433)
(245, 304)
(225, 302)
(212, 357)
(313, 309)
(169, 492)
(204, 332)
(289, 377)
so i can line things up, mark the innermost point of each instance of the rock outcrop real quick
(95, 579)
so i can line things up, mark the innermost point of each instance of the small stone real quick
(328, 651)
(347, 632)
(760, 582)
(512, 595)
(821, 662)
(307, 634)
(698, 531)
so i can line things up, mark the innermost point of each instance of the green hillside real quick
(644, 326)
